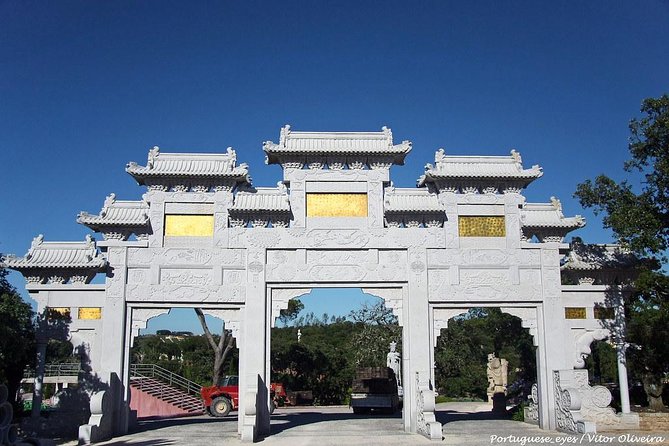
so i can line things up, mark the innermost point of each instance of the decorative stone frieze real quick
(427, 425)
(531, 411)
(582, 408)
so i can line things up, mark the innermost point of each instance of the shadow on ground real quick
(451, 416)
(284, 421)
(152, 442)
(161, 423)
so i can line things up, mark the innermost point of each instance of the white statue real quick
(299, 335)
(497, 375)
(393, 361)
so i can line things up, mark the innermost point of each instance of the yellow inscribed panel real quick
(90, 313)
(58, 312)
(336, 205)
(574, 313)
(481, 226)
(189, 225)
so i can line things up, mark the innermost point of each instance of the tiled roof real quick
(411, 200)
(479, 167)
(338, 143)
(57, 255)
(117, 213)
(587, 257)
(208, 165)
(548, 215)
(262, 199)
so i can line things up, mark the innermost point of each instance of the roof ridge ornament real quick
(517, 158)
(389, 134)
(557, 204)
(154, 152)
(283, 135)
(37, 241)
(109, 201)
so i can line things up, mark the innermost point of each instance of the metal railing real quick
(56, 370)
(165, 376)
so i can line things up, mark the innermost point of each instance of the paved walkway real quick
(466, 424)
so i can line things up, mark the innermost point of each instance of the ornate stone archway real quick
(203, 235)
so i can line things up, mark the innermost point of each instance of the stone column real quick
(544, 378)
(619, 339)
(254, 392)
(416, 335)
(114, 335)
(622, 378)
(554, 348)
(39, 375)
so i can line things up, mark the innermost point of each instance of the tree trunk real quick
(653, 388)
(221, 349)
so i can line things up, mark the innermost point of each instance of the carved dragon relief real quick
(583, 341)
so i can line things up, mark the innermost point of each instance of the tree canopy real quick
(17, 335)
(638, 214)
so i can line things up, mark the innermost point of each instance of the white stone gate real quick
(203, 236)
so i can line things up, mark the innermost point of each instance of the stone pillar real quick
(114, 335)
(544, 376)
(416, 335)
(39, 375)
(253, 361)
(554, 348)
(619, 340)
(622, 378)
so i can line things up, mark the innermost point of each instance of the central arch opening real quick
(485, 369)
(324, 344)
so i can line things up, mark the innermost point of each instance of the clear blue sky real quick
(86, 86)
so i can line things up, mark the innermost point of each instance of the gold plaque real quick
(574, 313)
(189, 225)
(336, 205)
(481, 226)
(58, 312)
(90, 313)
(604, 313)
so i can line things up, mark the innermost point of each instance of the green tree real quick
(290, 314)
(461, 355)
(378, 327)
(639, 219)
(17, 336)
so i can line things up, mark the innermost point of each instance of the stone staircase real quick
(164, 393)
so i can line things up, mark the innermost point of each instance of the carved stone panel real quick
(169, 276)
(186, 293)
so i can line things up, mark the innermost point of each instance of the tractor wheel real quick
(220, 406)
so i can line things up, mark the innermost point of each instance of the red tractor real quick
(220, 400)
